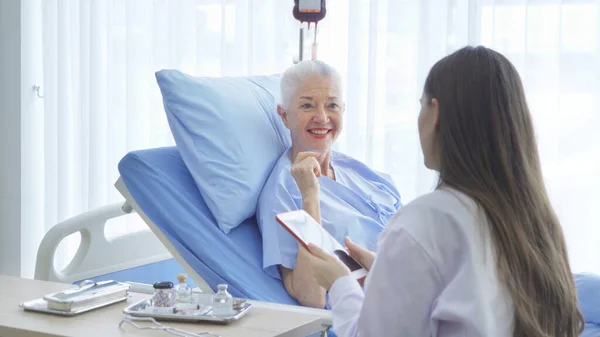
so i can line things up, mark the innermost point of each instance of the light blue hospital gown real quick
(358, 204)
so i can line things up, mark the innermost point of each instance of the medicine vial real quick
(163, 295)
(183, 292)
(222, 304)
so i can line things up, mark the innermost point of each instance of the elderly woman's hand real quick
(305, 171)
(326, 268)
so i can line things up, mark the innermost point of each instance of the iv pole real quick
(300, 47)
(301, 44)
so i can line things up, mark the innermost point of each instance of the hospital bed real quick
(182, 237)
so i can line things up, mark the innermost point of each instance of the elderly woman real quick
(355, 201)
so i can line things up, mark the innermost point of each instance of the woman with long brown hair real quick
(482, 255)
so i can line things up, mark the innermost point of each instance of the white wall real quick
(32, 136)
(10, 137)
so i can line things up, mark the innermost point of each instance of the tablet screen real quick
(347, 260)
(307, 230)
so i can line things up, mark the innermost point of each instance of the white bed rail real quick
(97, 255)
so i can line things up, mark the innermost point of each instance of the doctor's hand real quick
(306, 170)
(326, 267)
(364, 257)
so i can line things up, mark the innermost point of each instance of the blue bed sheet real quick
(588, 292)
(162, 186)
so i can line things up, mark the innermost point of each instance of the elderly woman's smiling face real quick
(315, 114)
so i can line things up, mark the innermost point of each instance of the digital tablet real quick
(305, 230)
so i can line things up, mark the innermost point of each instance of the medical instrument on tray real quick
(309, 11)
(183, 292)
(164, 296)
(239, 303)
(188, 312)
(158, 326)
(222, 304)
(87, 294)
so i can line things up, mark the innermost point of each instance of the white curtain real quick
(101, 99)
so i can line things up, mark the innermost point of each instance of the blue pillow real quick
(229, 136)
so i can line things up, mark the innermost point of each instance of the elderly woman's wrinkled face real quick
(315, 114)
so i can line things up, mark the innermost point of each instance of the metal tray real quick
(144, 308)
(88, 294)
(41, 305)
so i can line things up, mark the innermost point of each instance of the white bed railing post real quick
(97, 255)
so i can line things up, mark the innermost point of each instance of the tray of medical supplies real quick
(188, 312)
(87, 296)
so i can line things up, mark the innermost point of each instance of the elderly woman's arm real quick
(300, 282)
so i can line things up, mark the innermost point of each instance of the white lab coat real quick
(434, 275)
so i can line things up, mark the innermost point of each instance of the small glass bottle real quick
(222, 304)
(183, 292)
(163, 295)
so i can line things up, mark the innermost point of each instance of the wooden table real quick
(14, 321)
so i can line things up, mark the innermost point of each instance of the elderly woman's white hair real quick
(296, 74)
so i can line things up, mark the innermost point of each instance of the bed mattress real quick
(163, 188)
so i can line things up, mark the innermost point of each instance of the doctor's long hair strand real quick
(488, 150)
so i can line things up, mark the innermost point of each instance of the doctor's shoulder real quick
(443, 214)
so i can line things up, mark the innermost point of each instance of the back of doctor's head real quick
(486, 147)
(295, 75)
